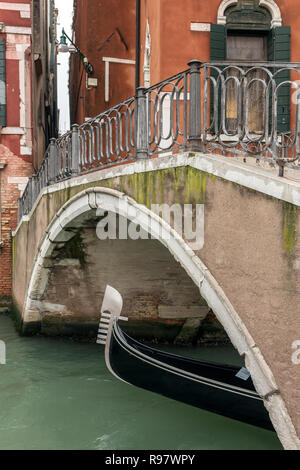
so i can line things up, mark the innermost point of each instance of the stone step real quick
(169, 312)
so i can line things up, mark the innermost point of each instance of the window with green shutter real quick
(2, 83)
(218, 37)
(218, 48)
(279, 50)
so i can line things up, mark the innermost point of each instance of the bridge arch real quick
(111, 200)
(270, 5)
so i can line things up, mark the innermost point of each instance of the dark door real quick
(247, 48)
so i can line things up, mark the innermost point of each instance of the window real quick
(247, 48)
(248, 36)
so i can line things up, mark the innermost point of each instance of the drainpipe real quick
(138, 43)
(2, 166)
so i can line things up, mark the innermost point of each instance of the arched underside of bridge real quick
(82, 210)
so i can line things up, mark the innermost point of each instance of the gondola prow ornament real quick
(110, 311)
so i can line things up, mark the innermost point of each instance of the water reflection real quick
(57, 394)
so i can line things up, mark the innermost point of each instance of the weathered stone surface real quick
(4, 310)
(5, 302)
(142, 270)
(153, 331)
(189, 332)
(182, 311)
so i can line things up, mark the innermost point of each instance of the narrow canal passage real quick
(58, 394)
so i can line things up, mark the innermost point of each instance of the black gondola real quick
(219, 388)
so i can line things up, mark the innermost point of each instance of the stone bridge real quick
(247, 271)
(170, 145)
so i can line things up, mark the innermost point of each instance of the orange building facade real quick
(105, 33)
(181, 31)
(172, 34)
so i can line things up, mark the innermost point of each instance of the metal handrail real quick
(188, 111)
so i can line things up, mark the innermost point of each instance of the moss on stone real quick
(148, 188)
(147, 183)
(161, 182)
(68, 193)
(189, 332)
(195, 186)
(189, 186)
(74, 249)
(212, 332)
(152, 331)
(5, 302)
(16, 316)
(30, 329)
(289, 226)
(48, 208)
(71, 327)
(153, 187)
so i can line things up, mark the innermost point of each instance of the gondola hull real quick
(134, 363)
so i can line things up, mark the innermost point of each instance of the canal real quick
(58, 394)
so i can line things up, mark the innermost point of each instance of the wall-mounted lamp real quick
(64, 48)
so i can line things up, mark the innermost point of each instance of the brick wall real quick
(12, 180)
(16, 133)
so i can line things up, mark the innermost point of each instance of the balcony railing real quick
(232, 109)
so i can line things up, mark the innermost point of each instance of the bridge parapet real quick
(207, 108)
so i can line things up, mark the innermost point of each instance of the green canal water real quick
(57, 394)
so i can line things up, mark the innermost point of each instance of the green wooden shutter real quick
(2, 83)
(279, 50)
(218, 53)
(218, 37)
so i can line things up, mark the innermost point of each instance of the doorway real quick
(246, 47)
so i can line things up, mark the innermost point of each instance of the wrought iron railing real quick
(264, 98)
(227, 108)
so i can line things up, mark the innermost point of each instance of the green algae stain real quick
(195, 186)
(161, 183)
(122, 185)
(74, 249)
(187, 184)
(48, 208)
(148, 189)
(68, 193)
(176, 185)
(154, 192)
(289, 227)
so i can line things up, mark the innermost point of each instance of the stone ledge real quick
(182, 312)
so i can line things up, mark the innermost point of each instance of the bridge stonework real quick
(248, 271)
